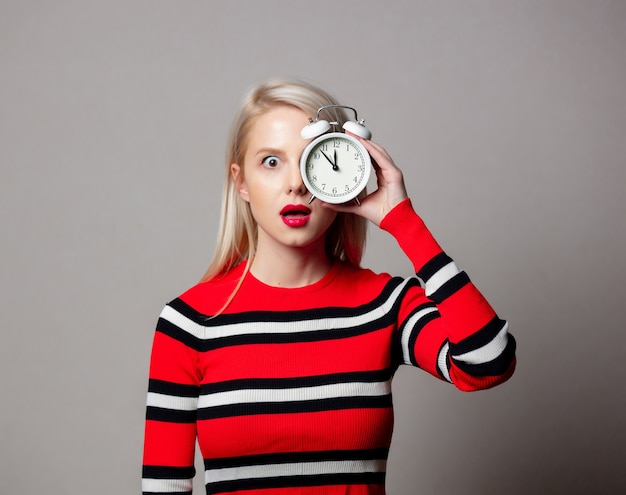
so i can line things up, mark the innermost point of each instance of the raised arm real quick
(447, 327)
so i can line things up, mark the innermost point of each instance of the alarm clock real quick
(335, 166)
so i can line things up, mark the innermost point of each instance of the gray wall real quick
(508, 119)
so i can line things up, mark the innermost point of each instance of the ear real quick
(240, 183)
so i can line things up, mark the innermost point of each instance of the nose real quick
(295, 180)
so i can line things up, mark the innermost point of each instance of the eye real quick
(271, 161)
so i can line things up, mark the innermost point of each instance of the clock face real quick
(335, 167)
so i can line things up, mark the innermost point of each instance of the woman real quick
(280, 360)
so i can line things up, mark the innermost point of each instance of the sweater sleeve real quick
(447, 328)
(170, 428)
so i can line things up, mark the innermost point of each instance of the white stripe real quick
(442, 362)
(166, 486)
(294, 469)
(172, 402)
(275, 327)
(295, 394)
(444, 274)
(489, 351)
(181, 321)
(408, 330)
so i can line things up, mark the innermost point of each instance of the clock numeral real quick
(356, 179)
(334, 190)
(347, 188)
(323, 187)
(336, 143)
(324, 147)
(356, 156)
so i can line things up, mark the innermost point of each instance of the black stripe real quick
(309, 381)
(297, 457)
(479, 339)
(171, 388)
(456, 283)
(168, 472)
(257, 408)
(433, 266)
(296, 481)
(298, 337)
(178, 334)
(170, 415)
(498, 366)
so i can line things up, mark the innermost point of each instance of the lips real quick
(295, 215)
(297, 210)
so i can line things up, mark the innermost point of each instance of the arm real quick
(170, 430)
(448, 328)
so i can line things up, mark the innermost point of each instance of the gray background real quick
(508, 119)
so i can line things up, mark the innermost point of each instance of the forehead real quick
(279, 127)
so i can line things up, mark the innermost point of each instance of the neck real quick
(290, 267)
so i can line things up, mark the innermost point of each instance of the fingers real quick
(390, 186)
(379, 155)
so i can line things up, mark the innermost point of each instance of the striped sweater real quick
(289, 390)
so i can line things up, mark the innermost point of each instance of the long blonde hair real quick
(237, 236)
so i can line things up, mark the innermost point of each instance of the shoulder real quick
(364, 282)
(350, 272)
(209, 296)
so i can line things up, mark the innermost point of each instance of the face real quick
(270, 181)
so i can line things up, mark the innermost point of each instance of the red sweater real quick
(289, 390)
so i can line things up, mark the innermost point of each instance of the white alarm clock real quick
(335, 167)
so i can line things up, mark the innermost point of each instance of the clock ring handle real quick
(325, 107)
(320, 126)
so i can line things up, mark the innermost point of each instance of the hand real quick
(391, 189)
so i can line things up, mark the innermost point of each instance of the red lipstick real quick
(295, 215)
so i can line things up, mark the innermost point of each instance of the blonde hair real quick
(237, 236)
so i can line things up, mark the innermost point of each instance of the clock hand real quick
(335, 167)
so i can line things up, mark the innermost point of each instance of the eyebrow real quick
(269, 151)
